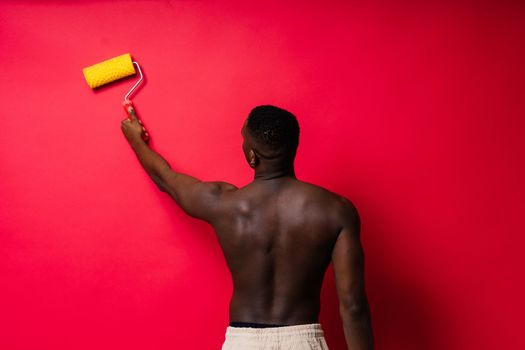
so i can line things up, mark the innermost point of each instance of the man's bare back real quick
(278, 234)
(277, 237)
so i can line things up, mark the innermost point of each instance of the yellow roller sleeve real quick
(109, 70)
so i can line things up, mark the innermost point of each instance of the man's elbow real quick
(159, 176)
(160, 184)
(354, 310)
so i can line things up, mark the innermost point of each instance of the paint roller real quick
(114, 69)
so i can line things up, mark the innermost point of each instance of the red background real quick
(413, 111)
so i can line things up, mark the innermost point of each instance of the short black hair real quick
(275, 128)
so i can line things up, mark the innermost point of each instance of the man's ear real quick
(254, 160)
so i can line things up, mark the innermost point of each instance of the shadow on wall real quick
(404, 316)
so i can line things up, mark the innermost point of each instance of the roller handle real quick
(128, 103)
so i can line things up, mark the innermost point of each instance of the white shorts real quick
(298, 337)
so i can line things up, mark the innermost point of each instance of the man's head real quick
(270, 133)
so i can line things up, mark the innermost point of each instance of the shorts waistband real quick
(310, 329)
(255, 325)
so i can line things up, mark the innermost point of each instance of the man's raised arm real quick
(197, 198)
(348, 263)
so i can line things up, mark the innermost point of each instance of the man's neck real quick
(265, 172)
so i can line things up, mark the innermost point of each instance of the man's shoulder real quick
(330, 195)
(335, 202)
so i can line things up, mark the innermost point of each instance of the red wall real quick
(414, 112)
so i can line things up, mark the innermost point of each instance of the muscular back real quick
(277, 237)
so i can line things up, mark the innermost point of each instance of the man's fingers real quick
(132, 114)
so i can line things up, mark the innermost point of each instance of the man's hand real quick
(132, 127)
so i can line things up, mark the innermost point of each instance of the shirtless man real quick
(278, 235)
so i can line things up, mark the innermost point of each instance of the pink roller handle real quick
(128, 103)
